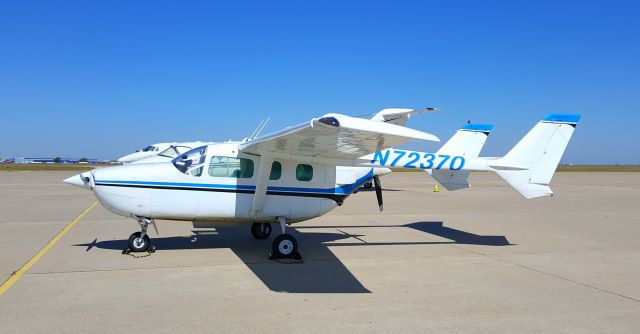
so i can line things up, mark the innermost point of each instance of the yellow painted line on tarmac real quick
(16, 275)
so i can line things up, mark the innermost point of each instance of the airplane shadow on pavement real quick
(322, 271)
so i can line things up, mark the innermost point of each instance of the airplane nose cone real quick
(82, 180)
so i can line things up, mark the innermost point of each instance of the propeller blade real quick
(378, 187)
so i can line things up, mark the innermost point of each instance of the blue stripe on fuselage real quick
(341, 190)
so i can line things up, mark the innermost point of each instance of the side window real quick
(231, 167)
(304, 172)
(241, 168)
(276, 171)
(218, 166)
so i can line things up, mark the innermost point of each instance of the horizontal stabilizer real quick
(451, 179)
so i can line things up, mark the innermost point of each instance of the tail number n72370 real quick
(411, 159)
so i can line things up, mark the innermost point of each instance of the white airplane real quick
(307, 170)
(169, 150)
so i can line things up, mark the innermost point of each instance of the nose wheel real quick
(140, 241)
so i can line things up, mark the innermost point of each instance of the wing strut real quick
(260, 195)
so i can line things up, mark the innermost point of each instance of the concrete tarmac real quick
(476, 260)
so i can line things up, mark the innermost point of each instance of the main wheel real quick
(261, 230)
(137, 244)
(285, 246)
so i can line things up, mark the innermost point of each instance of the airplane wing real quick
(399, 116)
(333, 136)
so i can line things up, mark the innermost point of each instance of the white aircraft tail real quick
(530, 164)
(466, 142)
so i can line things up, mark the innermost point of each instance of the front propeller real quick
(378, 187)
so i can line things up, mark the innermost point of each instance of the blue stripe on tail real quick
(478, 127)
(562, 118)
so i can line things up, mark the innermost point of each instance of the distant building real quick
(17, 160)
(21, 161)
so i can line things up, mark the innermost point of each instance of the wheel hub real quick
(285, 247)
(138, 242)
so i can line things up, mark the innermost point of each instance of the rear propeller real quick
(378, 187)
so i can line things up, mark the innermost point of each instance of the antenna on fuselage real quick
(259, 129)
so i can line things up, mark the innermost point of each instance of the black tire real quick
(284, 246)
(368, 185)
(139, 245)
(261, 231)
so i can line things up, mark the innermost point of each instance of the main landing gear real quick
(285, 245)
(261, 230)
(140, 241)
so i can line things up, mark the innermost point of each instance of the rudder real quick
(466, 142)
(531, 163)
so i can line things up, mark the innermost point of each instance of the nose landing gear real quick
(140, 241)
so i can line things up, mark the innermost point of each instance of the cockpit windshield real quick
(171, 152)
(191, 162)
(149, 148)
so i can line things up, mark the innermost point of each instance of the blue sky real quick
(101, 78)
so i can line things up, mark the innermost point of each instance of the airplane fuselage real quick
(209, 193)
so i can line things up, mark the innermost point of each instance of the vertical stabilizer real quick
(531, 163)
(466, 142)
